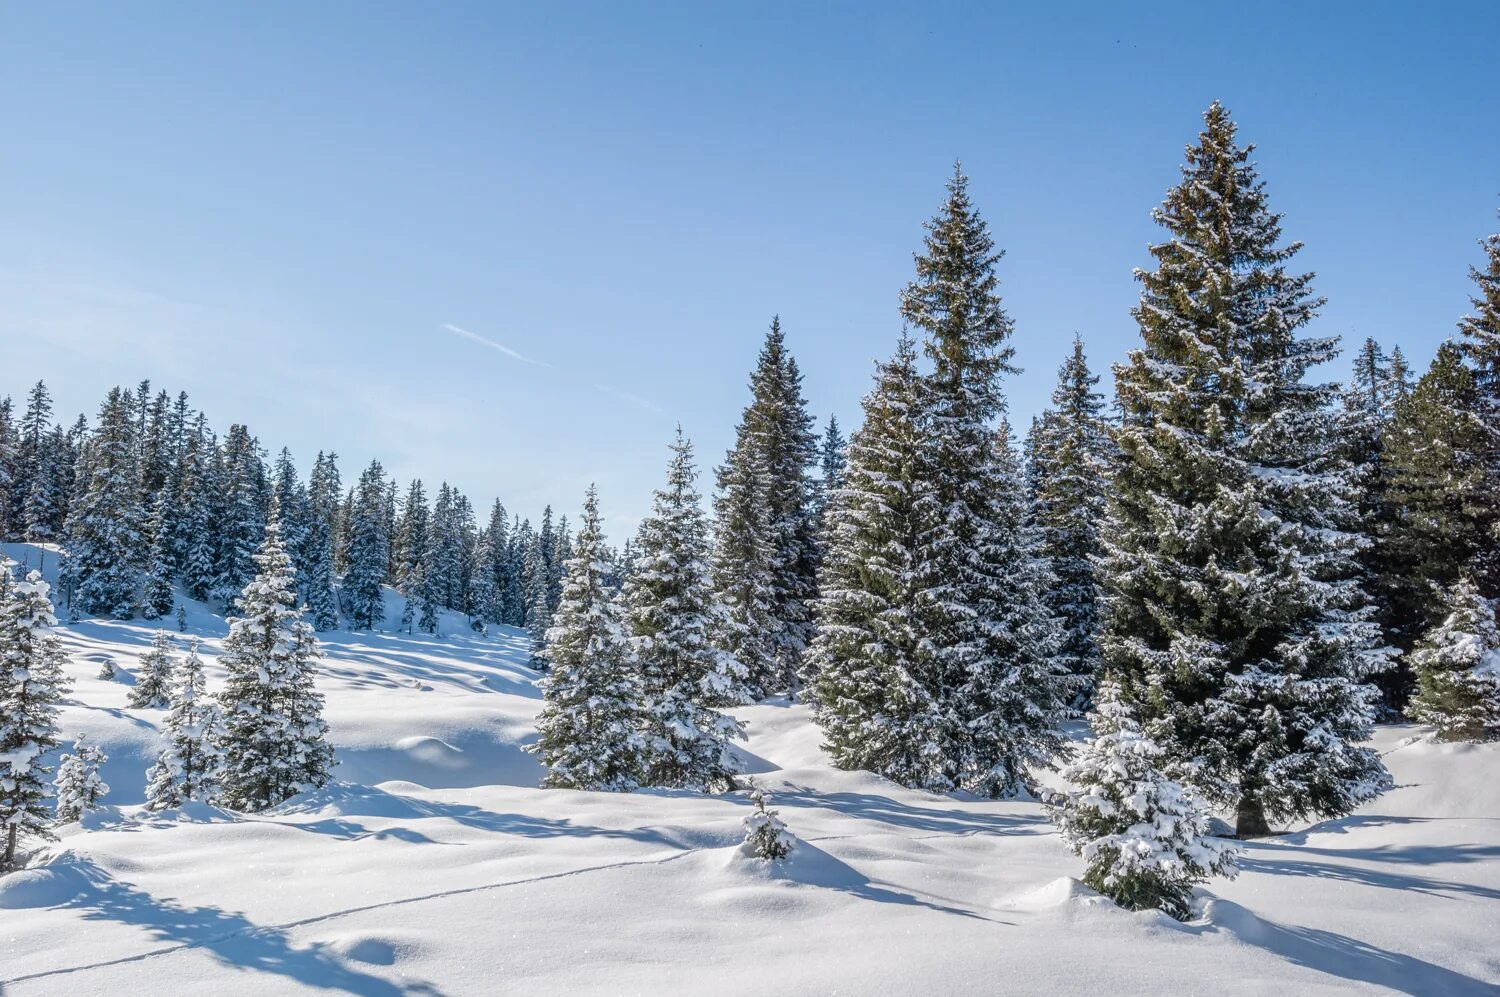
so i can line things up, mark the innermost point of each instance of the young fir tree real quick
(1458, 669)
(275, 741)
(1144, 837)
(1234, 619)
(766, 835)
(766, 557)
(981, 604)
(153, 683)
(104, 551)
(1480, 341)
(1071, 450)
(369, 552)
(188, 767)
(592, 713)
(1437, 490)
(31, 687)
(79, 787)
(870, 662)
(670, 607)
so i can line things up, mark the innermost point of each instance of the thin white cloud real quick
(497, 347)
(626, 396)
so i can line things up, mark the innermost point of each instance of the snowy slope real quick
(434, 866)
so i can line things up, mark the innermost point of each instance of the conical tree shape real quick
(1458, 669)
(593, 712)
(275, 741)
(188, 767)
(1480, 337)
(79, 787)
(153, 683)
(669, 604)
(1235, 621)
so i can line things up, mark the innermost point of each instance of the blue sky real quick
(289, 210)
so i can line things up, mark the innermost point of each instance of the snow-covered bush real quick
(153, 684)
(1458, 669)
(766, 836)
(79, 787)
(107, 670)
(1144, 837)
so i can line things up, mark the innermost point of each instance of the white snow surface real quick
(434, 866)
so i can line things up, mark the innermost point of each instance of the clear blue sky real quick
(280, 207)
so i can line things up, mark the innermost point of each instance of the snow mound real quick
(1065, 891)
(49, 885)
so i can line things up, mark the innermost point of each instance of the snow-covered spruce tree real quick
(104, 551)
(322, 603)
(869, 661)
(670, 607)
(1458, 669)
(369, 551)
(1071, 450)
(1436, 487)
(244, 492)
(1234, 619)
(39, 497)
(153, 683)
(189, 764)
(1479, 337)
(195, 541)
(766, 835)
(79, 788)
(31, 686)
(981, 604)
(592, 712)
(1144, 837)
(766, 550)
(10, 483)
(275, 741)
(158, 595)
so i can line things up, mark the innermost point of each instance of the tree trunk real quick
(1250, 819)
(10, 849)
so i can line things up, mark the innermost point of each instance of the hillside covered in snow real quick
(433, 864)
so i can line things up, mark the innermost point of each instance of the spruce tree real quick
(79, 788)
(670, 608)
(274, 741)
(188, 767)
(104, 550)
(1145, 838)
(981, 603)
(869, 661)
(322, 602)
(766, 835)
(158, 595)
(31, 687)
(369, 551)
(1457, 664)
(153, 682)
(766, 555)
(37, 473)
(1437, 488)
(10, 482)
(1480, 341)
(1234, 619)
(195, 542)
(1071, 451)
(592, 713)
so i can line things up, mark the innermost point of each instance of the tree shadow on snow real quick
(1340, 956)
(883, 809)
(1289, 863)
(231, 938)
(812, 866)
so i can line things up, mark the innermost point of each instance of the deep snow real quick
(434, 865)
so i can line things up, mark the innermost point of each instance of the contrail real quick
(498, 347)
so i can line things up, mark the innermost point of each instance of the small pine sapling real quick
(79, 787)
(766, 836)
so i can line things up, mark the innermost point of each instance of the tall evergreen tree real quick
(870, 663)
(40, 494)
(31, 687)
(1480, 341)
(10, 483)
(1235, 621)
(240, 523)
(195, 543)
(670, 607)
(188, 767)
(104, 551)
(1438, 492)
(1071, 451)
(981, 605)
(275, 741)
(592, 713)
(369, 551)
